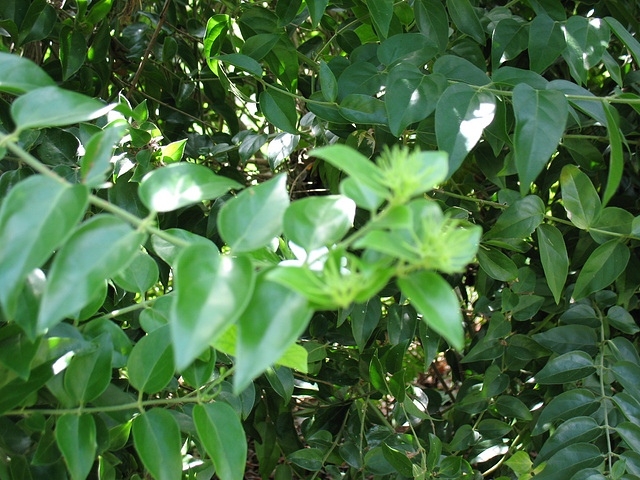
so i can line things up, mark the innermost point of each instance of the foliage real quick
(354, 239)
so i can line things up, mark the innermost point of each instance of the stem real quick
(333, 446)
(130, 308)
(602, 392)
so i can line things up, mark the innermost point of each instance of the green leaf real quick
(258, 46)
(587, 39)
(411, 96)
(150, 366)
(554, 258)
(574, 430)
(280, 148)
(36, 217)
(381, 13)
(592, 107)
(315, 222)
(62, 107)
(359, 108)
(541, 116)
(307, 458)
(520, 463)
(21, 75)
(519, 220)
(604, 265)
(252, 219)
(491, 428)
(512, 407)
(465, 18)
(437, 303)
(616, 158)
(364, 320)
(570, 460)
(181, 184)
(619, 318)
(168, 251)
(567, 405)
(579, 197)
(432, 21)
(242, 61)
(140, 275)
(212, 290)
(398, 459)
(18, 390)
(172, 153)
(462, 114)
(625, 37)
(223, 437)
(279, 109)
(73, 51)
(287, 10)
(98, 249)
(156, 436)
(461, 70)
(497, 265)
(96, 162)
(509, 40)
(566, 368)
(217, 27)
(328, 83)
(407, 49)
(567, 338)
(316, 10)
(628, 375)
(76, 438)
(89, 374)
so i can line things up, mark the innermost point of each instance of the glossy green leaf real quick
(574, 430)
(38, 22)
(398, 459)
(172, 152)
(156, 437)
(627, 374)
(592, 106)
(604, 265)
(252, 219)
(512, 407)
(287, 10)
(579, 197)
(258, 46)
(315, 222)
(215, 35)
(212, 290)
(21, 75)
(181, 184)
(625, 37)
(62, 107)
(432, 21)
(279, 109)
(520, 219)
(17, 350)
(465, 18)
(307, 458)
(96, 162)
(150, 366)
(223, 437)
(362, 194)
(89, 373)
(36, 217)
(554, 258)
(497, 265)
(628, 405)
(168, 251)
(364, 320)
(566, 368)
(492, 428)
(437, 303)
(316, 10)
(140, 275)
(280, 148)
(619, 318)
(328, 83)
(271, 323)
(587, 39)
(98, 249)
(616, 158)
(541, 116)
(462, 114)
(408, 49)
(242, 61)
(411, 96)
(510, 38)
(567, 405)
(76, 438)
(73, 50)
(567, 338)
(381, 12)
(617, 221)
(16, 391)
(359, 108)
(461, 70)
(570, 460)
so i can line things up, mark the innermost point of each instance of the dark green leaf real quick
(96, 161)
(150, 366)
(625, 37)
(36, 217)
(328, 83)
(407, 48)
(62, 107)
(360, 108)
(73, 51)
(76, 438)
(242, 61)
(316, 10)
(630, 433)
(280, 148)
(181, 184)
(508, 41)
(497, 265)
(287, 11)
(223, 437)
(279, 109)
(140, 275)
(460, 69)
(465, 18)
(168, 251)
(512, 407)
(462, 114)
(364, 320)
(604, 265)
(21, 75)
(307, 458)
(569, 460)
(541, 116)
(574, 430)
(437, 303)
(88, 374)
(555, 261)
(567, 338)
(398, 459)
(616, 159)
(381, 13)
(619, 318)
(566, 368)
(97, 250)
(520, 219)
(579, 197)
(492, 428)
(156, 437)
(252, 219)
(201, 312)
(587, 39)
(260, 45)
(432, 21)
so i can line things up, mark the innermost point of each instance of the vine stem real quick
(607, 427)
(333, 446)
(130, 308)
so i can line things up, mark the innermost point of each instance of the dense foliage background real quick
(319, 239)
